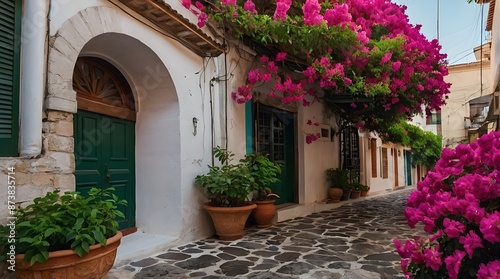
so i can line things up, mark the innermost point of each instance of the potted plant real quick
(346, 192)
(356, 190)
(364, 190)
(228, 187)
(264, 173)
(339, 180)
(64, 235)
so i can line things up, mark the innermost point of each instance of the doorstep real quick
(141, 245)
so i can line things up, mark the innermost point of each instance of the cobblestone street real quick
(352, 241)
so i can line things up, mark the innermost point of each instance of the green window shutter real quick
(10, 48)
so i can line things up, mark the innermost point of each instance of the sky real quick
(459, 25)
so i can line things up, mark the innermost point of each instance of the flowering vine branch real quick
(354, 48)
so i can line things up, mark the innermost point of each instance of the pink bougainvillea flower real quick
(271, 66)
(311, 9)
(253, 76)
(489, 271)
(453, 263)
(433, 258)
(396, 66)
(280, 56)
(490, 227)
(250, 7)
(186, 4)
(386, 58)
(453, 228)
(199, 5)
(470, 242)
(229, 2)
(202, 18)
(282, 7)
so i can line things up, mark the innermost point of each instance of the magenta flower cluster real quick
(374, 52)
(458, 204)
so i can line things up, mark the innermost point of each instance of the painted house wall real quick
(378, 184)
(169, 94)
(315, 158)
(465, 86)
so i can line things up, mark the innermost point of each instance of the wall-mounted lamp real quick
(195, 126)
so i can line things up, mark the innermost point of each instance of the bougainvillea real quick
(458, 205)
(365, 50)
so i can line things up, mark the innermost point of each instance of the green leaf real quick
(86, 246)
(49, 231)
(78, 224)
(45, 255)
(100, 237)
(80, 251)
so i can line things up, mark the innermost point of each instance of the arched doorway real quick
(104, 132)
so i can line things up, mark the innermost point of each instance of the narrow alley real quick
(353, 241)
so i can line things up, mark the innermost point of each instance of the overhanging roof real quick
(491, 11)
(170, 21)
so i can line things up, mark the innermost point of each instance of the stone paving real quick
(352, 241)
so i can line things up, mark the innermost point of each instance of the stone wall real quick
(53, 169)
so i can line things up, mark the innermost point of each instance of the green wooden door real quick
(408, 168)
(276, 138)
(105, 157)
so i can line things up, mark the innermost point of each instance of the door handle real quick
(108, 175)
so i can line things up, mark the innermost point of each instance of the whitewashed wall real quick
(168, 154)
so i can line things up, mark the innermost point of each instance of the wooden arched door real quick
(104, 131)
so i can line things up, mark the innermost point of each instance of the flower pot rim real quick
(209, 206)
(69, 252)
(264, 201)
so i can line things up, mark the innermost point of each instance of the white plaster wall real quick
(237, 72)
(168, 158)
(465, 86)
(314, 158)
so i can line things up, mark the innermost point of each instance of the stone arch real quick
(65, 47)
(97, 32)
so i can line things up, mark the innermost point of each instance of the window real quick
(385, 163)
(434, 118)
(10, 47)
(373, 147)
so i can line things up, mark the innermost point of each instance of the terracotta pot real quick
(335, 194)
(355, 194)
(364, 193)
(346, 195)
(66, 264)
(229, 222)
(264, 213)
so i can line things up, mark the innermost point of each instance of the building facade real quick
(132, 95)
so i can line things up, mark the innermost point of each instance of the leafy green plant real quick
(358, 186)
(230, 184)
(63, 221)
(338, 178)
(264, 172)
(426, 146)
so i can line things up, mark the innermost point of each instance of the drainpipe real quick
(33, 47)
